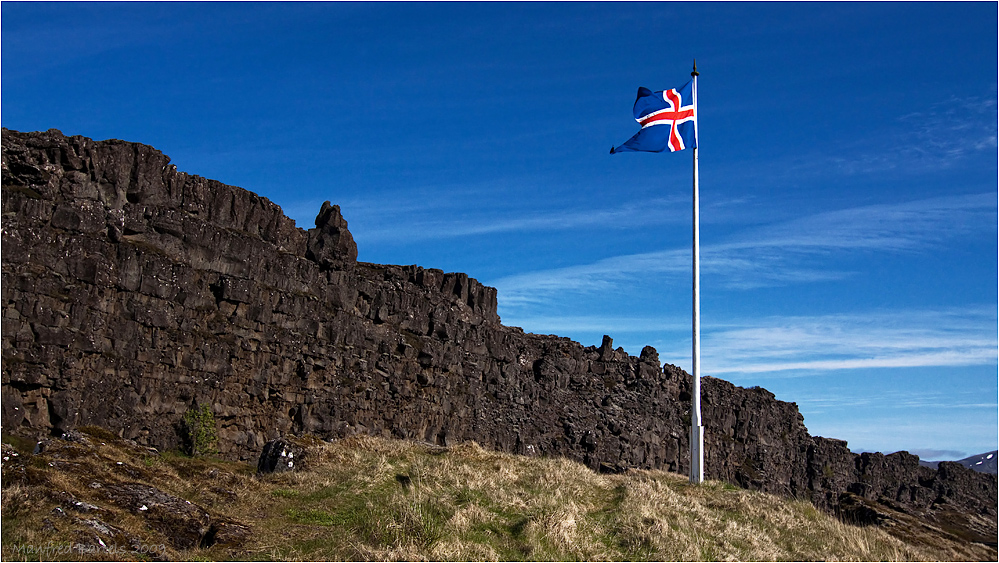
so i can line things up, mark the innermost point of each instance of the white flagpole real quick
(696, 428)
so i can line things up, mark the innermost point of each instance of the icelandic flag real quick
(667, 119)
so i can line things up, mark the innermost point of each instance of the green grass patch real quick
(312, 516)
(23, 446)
(285, 493)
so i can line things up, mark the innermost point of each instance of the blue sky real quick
(848, 170)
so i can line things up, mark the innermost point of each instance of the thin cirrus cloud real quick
(939, 137)
(563, 324)
(895, 399)
(951, 128)
(776, 254)
(422, 220)
(892, 227)
(881, 339)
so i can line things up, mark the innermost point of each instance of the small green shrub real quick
(200, 434)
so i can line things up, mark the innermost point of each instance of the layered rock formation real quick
(133, 292)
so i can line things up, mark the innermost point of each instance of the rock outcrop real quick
(279, 456)
(133, 291)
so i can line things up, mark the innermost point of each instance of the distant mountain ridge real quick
(982, 463)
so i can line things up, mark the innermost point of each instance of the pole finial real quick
(694, 72)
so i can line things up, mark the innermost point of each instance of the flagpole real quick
(696, 428)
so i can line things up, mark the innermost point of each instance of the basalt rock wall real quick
(133, 292)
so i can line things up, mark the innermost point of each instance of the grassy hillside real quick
(366, 498)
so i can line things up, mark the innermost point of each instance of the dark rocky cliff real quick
(132, 292)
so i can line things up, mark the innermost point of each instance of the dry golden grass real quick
(375, 499)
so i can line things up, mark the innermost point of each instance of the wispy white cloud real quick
(838, 399)
(773, 255)
(426, 215)
(952, 127)
(892, 226)
(928, 454)
(427, 220)
(882, 339)
(940, 137)
(597, 324)
(601, 276)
